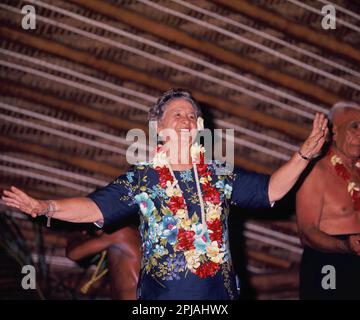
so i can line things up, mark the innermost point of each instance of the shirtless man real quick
(328, 213)
(123, 255)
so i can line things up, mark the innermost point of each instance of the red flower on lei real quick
(185, 239)
(207, 269)
(202, 168)
(216, 228)
(176, 203)
(342, 171)
(164, 176)
(211, 194)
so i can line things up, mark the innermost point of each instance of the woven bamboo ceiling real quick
(72, 87)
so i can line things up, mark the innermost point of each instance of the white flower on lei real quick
(213, 211)
(195, 151)
(184, 223)
(352, 187)
(213, 252)
(160, 159)
(181, 213)
(335, 160)
(192, 258)
(171, 190)
(200, 123)
(204, 180)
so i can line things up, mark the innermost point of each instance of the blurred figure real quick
(328, 205)
(123, 257)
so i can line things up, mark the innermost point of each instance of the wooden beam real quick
(284, 25)
(149, 80)
(174, 35)
(65, 105)
(252, 166)
(276, 282)
(59, 155)
(263, 257)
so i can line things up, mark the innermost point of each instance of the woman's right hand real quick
(20, 200)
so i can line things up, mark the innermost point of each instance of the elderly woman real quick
(183, 206)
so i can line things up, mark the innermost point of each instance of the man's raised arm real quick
(79, 209)
(283, 179)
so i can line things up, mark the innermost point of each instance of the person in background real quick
(328, 213)
(123, 249)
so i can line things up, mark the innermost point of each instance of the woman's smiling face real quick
(179, 115)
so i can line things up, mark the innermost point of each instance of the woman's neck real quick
(181, 167)
(179, 164)
(180, 160)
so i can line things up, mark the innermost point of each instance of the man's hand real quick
(313, 144)
(20, 200)
(353, 243)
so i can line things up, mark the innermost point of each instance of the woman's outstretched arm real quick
(79, 209)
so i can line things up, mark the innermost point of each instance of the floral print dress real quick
(180, 259)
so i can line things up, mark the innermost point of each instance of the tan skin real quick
(179, 114)
(123, 254)
(324, 206)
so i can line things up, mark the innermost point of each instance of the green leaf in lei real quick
(153, 261)
(165, 210)
(157, 216)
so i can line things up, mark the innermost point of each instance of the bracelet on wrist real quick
(302, 156)
(48, 212)
(45, 211)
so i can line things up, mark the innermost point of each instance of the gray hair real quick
(342, 105)
(156, 111)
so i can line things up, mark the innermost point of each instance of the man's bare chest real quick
(337, 200)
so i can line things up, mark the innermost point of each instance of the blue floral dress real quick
(166, 270)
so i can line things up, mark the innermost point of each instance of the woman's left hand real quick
(313, 144)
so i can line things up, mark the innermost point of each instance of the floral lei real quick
(202, 243)
(352, 187)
